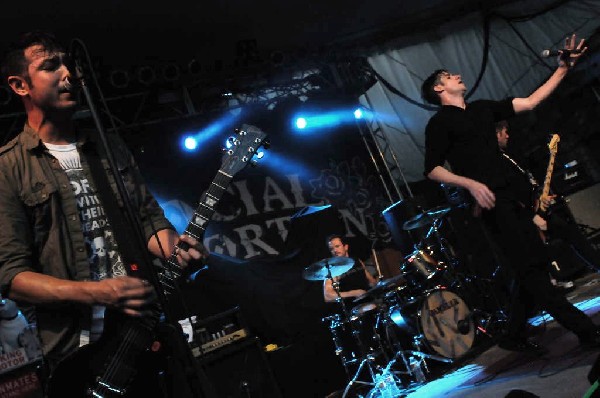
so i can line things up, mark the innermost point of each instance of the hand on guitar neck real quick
(544, 201)
(541, 207)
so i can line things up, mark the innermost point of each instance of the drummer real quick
(354, 282)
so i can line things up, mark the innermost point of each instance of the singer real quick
(55, 258)
(464, 135)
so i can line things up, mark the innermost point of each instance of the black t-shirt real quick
(354, 278)
(518, 181)
(466, 138)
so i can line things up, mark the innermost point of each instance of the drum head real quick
(446, 324)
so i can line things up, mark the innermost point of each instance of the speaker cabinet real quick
(585, 206)
(240, 370)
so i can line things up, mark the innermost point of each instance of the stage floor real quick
(495, 372)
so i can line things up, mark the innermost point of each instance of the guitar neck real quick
(195, 228)
(553, 146)
(242, 148)
(549, 171)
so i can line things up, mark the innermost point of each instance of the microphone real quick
(562, 52)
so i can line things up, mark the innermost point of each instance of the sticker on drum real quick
(446, 323)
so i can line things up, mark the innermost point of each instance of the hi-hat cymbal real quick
(426, 218)
(318, 271)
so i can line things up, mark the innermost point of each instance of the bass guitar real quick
(108, 367)
(541, 203)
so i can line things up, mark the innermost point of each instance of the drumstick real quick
(379, 276)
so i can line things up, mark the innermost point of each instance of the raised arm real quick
(542, 92)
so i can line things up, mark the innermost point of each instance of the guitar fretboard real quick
(553, 146)
(195, 228)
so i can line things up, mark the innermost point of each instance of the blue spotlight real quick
(194, 141)
(358, 113)
(300, 122)
(190, 143)
(286, 165)
(260, 154)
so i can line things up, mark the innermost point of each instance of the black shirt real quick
(466, 138)
(354, 278)
(519, 181)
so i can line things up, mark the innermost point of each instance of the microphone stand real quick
(138, 238)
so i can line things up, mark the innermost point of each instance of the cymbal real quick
(318, 271)
(426, 218)
(381, 287)
(439, 211)
(418, 221)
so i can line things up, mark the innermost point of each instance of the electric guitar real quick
(108, 367)
(539, 206)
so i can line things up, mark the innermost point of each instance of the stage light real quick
(119, 78)
(260, 154)
(190, 143)
(358, 114)
(301, 122)
(146, 75)
(170, 72)
(195, 140)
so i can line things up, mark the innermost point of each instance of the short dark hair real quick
(427, 88)
(334, 236)
(14, 62)
(500, 125)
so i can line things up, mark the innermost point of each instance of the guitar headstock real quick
(242, 149)
(553, 144)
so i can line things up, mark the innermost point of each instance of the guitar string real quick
(113, 365)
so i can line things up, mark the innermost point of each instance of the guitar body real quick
(80, 373)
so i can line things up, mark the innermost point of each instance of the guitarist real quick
(58, 253)
(549, 223)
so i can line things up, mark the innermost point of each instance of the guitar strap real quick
(527, 174)
(121, 230)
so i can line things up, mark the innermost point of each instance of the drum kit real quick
(404, 321)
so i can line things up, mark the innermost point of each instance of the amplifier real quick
(215, 332)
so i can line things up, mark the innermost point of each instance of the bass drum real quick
(442, 318)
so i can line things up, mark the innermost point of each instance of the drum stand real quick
(366, 358)
(482, 318)
(414, 369)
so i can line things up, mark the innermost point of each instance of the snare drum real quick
(442, 318)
